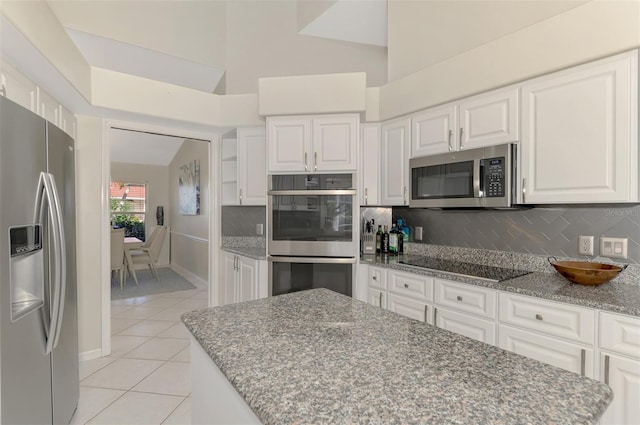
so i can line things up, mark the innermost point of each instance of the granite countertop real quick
(613, 296)
(318, 357)
(247, 251)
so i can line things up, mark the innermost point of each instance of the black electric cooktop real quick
(496, 274)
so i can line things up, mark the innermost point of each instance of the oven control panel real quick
(493, 177)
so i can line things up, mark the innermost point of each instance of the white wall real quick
(90, 196)
(258, 48)
(156, 177)
(190, 233)
(587, 32)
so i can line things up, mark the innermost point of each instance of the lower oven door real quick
(292, 274)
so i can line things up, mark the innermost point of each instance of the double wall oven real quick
(312, 239)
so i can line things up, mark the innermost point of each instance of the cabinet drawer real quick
(620, 334)
(464, 324)
(468, 298)
(410, 308)
(377, 278)
(555, 319)
(565, 355)
(411, 285)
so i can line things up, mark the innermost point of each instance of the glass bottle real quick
(378, 239)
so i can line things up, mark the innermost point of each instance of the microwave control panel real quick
(494, 177)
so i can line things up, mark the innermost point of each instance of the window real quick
(128, 207)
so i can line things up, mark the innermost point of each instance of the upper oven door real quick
(472, 178)
(312, 215)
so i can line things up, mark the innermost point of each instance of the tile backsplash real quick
(541, 231)
(241, 221)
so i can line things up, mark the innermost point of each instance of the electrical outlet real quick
(585, 245)
(418, 234)
(613, 247)
(259, 229)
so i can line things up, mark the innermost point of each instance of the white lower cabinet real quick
(623, 376)
(377, 297)
(619, 341)
(244, 278)
(565, 355)
(465, 324)
(412, 309)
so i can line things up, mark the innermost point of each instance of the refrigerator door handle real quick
(62, 265)
(44, 195)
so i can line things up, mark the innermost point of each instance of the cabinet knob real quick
(406, 285)
(459, 298)
(538, 316)
(374, 278)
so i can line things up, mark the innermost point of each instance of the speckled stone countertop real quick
(612, 296)
(318, 357)
(247, 251)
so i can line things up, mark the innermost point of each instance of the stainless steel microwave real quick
(474, 178)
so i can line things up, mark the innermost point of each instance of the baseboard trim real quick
(190, 276)
(90, 355)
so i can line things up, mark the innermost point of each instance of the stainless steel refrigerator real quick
(38, 314)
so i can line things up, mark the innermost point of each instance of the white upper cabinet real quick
(313, 143)
(580, 134)
(18, 88)
(244, 174)
(370, 164)
(252, 166)
(394, 169)
(489, 119)
(486, 119)
(433, 131)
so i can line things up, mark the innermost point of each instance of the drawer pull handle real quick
(583, 363)
(606, 369)
(380, 299)
(538, 316)
(426, 310)
(435, 316)
(459, 298)
(406, 285)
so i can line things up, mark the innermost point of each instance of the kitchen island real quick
(320, 357)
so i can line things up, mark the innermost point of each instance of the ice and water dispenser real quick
(26, 269)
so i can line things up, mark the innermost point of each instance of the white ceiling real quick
(131, 59)
(133, 147)
(357, 21)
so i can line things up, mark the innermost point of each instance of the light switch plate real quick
(418, 235)
(259, 229)
(613, 247)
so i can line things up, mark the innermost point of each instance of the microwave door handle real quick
(477, 179)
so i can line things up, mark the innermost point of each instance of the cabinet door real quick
(289, 143)
(370, 164)
(18, 88)
(252, 168)
(335, 143)
(229, 278)
(463, 324)
(489, 119)
(623, 376)
(572, 357)
(394, 181)
(247, 279)
(579, 141)
(377, 298)
(434, 131)
(412, 309)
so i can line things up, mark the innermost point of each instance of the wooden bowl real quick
(586, 273)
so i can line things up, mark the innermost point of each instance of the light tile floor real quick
(146, 379)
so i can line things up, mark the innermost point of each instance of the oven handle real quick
(319, 260)
(312, 192)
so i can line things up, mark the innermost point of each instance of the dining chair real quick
(117, 254)
(149, 254)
